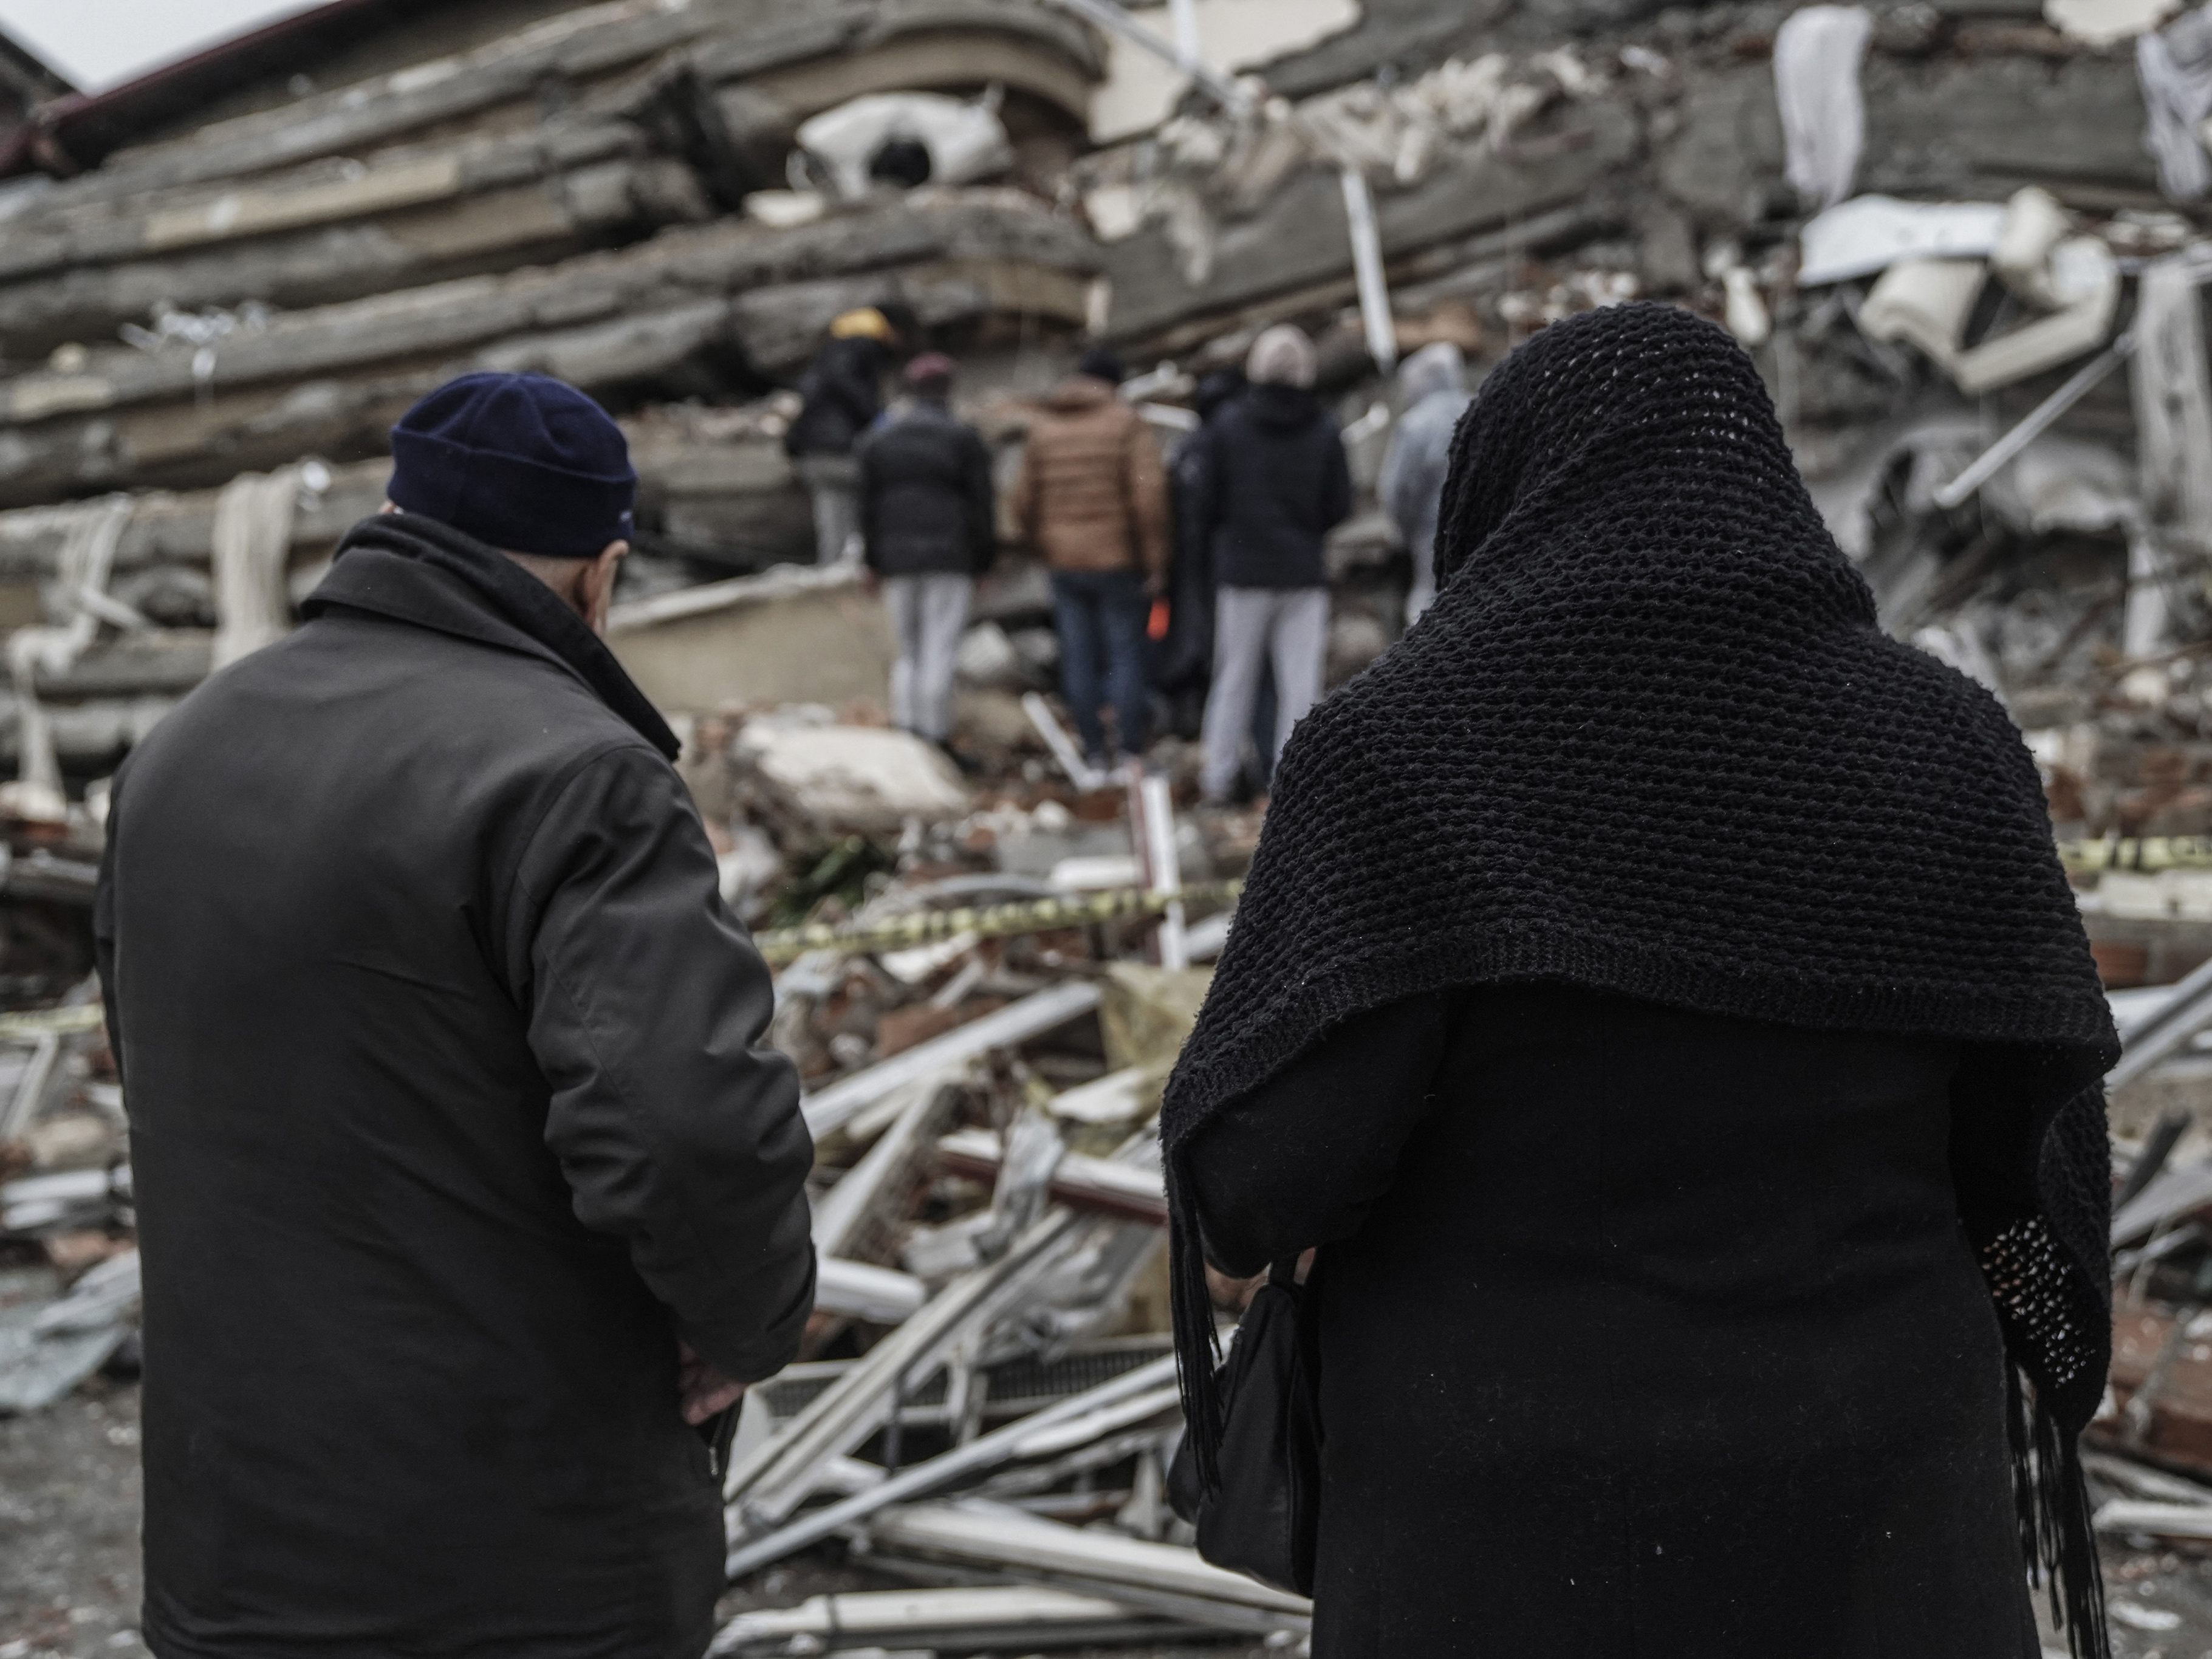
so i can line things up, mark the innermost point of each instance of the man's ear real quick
(596, 591)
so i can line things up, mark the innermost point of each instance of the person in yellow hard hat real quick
(843, 391)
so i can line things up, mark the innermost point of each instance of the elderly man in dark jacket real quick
(927, 524)
(1275, 483)
(467, 1198)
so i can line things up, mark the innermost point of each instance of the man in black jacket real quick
(466, 1197)
(841, 396)
(1273, 484)
(927, 528)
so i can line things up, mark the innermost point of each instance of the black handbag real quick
(1263, 1519)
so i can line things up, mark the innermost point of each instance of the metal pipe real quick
(1150, 1387)
(2036, 422)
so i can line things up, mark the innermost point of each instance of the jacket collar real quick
(417, 570)
(1078, 392)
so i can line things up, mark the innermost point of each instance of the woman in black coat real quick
(1657, 996)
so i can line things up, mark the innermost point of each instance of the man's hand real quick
(705, 1391)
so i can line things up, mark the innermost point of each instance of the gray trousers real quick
(833, 481)
(928, 614)
(1288, 626)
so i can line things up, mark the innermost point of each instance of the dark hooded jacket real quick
(926, 503)
(1273, 483)
(841, 393)
(448, 1123)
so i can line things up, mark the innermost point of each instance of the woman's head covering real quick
(1438, 367)
(1282, 356)
(1650, 740)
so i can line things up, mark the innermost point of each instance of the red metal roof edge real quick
(21, 151)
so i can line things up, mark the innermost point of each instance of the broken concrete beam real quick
(90, 738)
(155, 660)
(792, 635)
(578, 49)
(1299, 239)
(172, 529)
(322, 193)
(852, 780)
(959, 1621)
(767, 84)
(608, 59)
(505, 228)
(1132, 1397)
(1974, 129)
(2162, 1382)
(707, 495)
(689, 264)
(332, 381)
(1162, 1577)
(1093, 1186)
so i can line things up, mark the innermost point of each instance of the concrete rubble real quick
(1966, 242)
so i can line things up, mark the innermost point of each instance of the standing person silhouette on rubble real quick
(468, 1198)
(842, 396)
(1092, 499)
(1433, 395)
(1657, 997)
(927, 525)
(1273, 483)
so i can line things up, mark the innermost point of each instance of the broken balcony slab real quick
(795, 635)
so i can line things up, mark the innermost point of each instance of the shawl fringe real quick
(2050, 1498)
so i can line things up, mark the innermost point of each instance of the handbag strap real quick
(1284, 1273)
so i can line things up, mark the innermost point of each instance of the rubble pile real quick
(1973, 284)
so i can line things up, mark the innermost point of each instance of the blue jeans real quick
(1102, 614)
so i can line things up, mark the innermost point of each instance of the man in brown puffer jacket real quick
(1092, 498)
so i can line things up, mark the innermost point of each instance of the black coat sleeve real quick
(980, 491)
(1336, 478)
(1301, 1160)
(676, 1129)
(103, 928)
(871, 500)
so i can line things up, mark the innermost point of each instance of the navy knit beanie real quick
(522, 462)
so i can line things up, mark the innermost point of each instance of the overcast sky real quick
(99, 43)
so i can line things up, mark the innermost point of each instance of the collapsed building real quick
(1964, 241)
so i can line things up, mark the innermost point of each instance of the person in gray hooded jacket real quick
(1432, 396)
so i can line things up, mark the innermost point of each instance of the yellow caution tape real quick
(2147, 853)
(903, 932)
(35, 1022)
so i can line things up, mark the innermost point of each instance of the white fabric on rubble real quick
(2174, 65)
(1870, 233)
(87, 559)
(252, 545)
(966, 141)
(1817, 54)
(2106, 23)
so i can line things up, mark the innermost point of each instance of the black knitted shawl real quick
(1650, 740)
